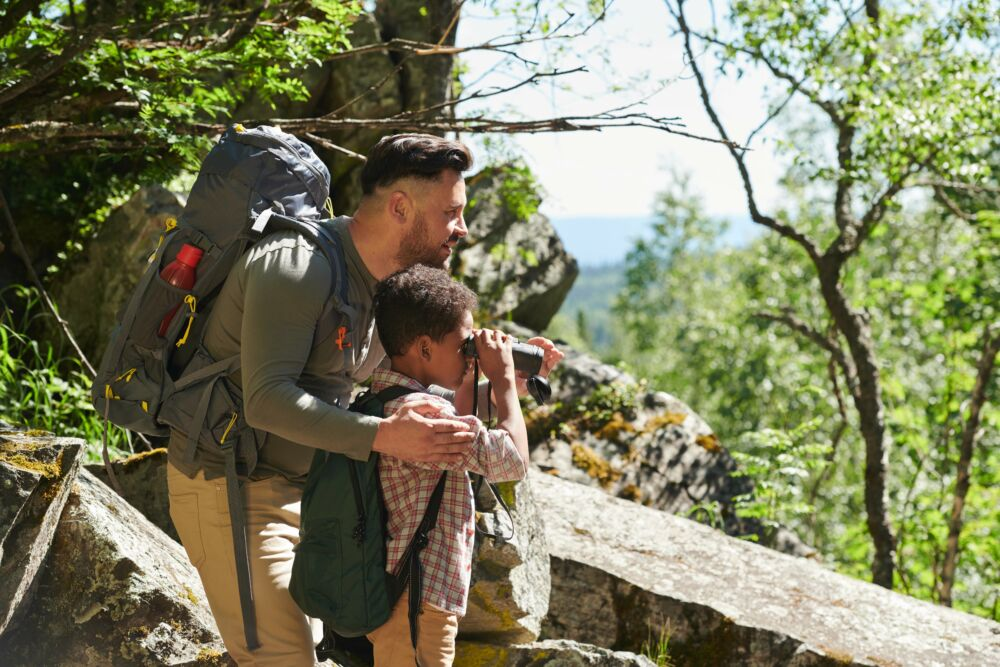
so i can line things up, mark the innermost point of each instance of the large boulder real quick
(143, 479)
(622, 573)
(509, 595)
(552, 652)
(605, 429)
(92, 289)
(517, 266)
(114, 591)
(36, 474)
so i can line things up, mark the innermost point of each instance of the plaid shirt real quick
(407, 486)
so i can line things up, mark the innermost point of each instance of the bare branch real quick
(755, 214)
(798, 84)
(23, 254)
(828, 343)
(52, 130)
(952, 206)
(479, 95)
(329, 145)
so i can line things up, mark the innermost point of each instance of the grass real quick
(40, 386)
(658, 650)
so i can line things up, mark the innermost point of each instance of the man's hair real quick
(415, 155)
(419, 301)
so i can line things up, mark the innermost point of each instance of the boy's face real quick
(448, 365)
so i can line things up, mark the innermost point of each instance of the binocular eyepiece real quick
(527, 359)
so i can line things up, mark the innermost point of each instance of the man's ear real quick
(400, 206)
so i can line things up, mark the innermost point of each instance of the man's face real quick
(438, 223)
(448, 363)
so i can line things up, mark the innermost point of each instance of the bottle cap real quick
(190, 254)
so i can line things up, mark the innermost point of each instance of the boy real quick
(423, 319)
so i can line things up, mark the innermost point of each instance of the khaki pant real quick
(200, 512)
(436, 632)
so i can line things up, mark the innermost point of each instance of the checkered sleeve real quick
(491, 454)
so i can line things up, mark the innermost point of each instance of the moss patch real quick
(47, 469)
(141, 456)
(210, 656)
(666, 419)
(710, 442)
(594, 464)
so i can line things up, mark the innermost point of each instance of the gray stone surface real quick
(606, 430)
(143, 478)
(516, 266)
(92, 289)
(509, 595)
(552, 652)
(623, 573)
(36, 473)
(114, 591)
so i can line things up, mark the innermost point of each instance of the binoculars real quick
(527, 359)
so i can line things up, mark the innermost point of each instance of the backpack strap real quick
(328, 241)
(410, 570)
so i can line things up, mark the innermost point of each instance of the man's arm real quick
(285, 291)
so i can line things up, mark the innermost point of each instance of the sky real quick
(614, 175)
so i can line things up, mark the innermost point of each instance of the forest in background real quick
(846, 356)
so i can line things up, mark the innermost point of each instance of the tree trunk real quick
(991, 347)
(868, 402)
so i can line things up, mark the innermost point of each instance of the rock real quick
(607, 430)
(95, 286)
(425, 81)
(114, 591)
(622, 573)
(552, 652)
(143, 478)
(36, 473)
(517, 267)
(509, 595)
(365, 86)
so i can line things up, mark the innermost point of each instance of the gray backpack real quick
(253, 182)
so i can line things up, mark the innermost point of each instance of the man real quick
(267, 312)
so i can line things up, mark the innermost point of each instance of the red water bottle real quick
(180, 273)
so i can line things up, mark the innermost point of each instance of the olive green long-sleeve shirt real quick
(267, 312)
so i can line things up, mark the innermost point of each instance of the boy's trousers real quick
(436, 632)
(200, 512)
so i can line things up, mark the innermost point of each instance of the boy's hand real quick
(552, 357)
(415, 433)
(496, 359)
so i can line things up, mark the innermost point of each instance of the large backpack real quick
(339, 572)
(252, 183)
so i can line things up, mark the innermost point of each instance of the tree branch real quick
(755, 214)
(55, 64)
(987, 360)
(828, 343)
(15, 13)
(56, 130)
(23, 254)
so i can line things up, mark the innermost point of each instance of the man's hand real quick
(552, 357)
(416, 433)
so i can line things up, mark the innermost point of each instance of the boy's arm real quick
(492, 454)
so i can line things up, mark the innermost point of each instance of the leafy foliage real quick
(147, 75)
(42, 388)
(929, 281)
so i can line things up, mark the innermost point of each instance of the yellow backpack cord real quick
(192, 304)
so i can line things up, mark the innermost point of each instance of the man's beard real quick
(414, 248)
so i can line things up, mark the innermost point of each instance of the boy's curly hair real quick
(419, 301)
